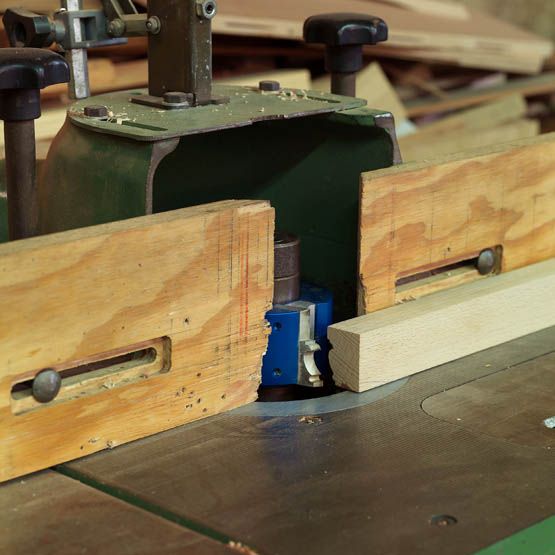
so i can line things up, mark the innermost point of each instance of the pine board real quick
(194, 284)
(423, 216)
(403, 340)
(465, 98)
(484, 116)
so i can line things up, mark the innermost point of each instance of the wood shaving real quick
(241, 548)
(311, 419)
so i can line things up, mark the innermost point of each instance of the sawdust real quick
(311, 419)
(241, 548)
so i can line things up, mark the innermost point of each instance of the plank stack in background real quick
(443, 58)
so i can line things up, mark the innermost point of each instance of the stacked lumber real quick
(418, 76)
(479, 41)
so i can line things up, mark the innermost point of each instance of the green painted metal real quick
(307, 167)
(91, 178)
(538, 539)
(247, 105)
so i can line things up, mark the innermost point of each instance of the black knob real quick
(25, 28)
(344, 35)
(23, 73)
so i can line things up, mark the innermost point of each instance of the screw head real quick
(175, 97)
(46, 385)
(99, 112)
(443, 520)
(269, 86)
(206, 8)
(486, 262)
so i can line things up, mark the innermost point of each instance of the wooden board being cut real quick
(402, 340)
(425, 216)
(185, 292)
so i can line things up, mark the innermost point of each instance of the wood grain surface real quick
(423, 216)
(201, 278)
(402, 340)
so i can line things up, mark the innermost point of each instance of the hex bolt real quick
(175, 97)
(269, 86)
(487, 261)
(206, 8)
(96, 111)
(153, 25)
(46, 385)
(116, 27)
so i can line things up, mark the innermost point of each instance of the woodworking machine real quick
(394, 470)
(185, 141)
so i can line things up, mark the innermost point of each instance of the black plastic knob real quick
(26, 28)
(344, 34)
(23, 72)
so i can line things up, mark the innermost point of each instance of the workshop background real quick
(448, 70)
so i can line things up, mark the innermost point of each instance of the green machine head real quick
(186, 141)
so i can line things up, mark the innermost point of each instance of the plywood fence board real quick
(427, 215)
(192, 285)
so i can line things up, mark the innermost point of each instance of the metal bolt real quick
(443, 520)
(206, 8)
(269, 86)
(116, 27)
(175, 97)
(486, 262)
(99, 112)
(153, 25)
(46, 386)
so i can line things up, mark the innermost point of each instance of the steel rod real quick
(19, 139)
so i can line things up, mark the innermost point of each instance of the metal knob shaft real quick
(23, 73)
